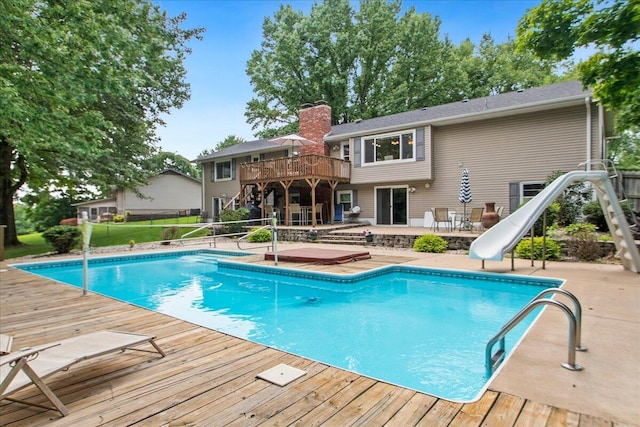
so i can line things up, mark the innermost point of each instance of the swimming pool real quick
(420, 328)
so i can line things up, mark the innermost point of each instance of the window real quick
(223, 171)
(385, 148)
(345, 198)
(529, 190)
(345, 152)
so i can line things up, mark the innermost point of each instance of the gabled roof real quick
(526, 100)
(90, 202)
(170, 171)
(260, 145)
(468, 110)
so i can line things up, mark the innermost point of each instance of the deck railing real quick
(307, 166)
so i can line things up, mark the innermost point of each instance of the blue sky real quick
(220, 88)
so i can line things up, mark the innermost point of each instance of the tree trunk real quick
(8, 158)
(7, 218)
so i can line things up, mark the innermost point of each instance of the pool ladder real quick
(492, 361)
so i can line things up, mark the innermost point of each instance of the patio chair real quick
(295, 210)
(476, 219)
(269, 210)
(338, 215)
(32, 365)
(319, 207)
(5, 344)
(441, 215)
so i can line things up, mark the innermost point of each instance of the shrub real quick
(580, 229)
(234, 215)
(583, 242)
(552, 218)
(170, 233)
(63, 238)
(570, 202)
(593, 214)
(430, 243)
(523, 250)
(261, 236)
(118, 218)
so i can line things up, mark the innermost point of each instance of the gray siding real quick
(388, 172)
(219, 188)
(496, 152)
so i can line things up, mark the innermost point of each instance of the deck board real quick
(209, 378)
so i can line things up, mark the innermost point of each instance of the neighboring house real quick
(398, 167)
(168, 192)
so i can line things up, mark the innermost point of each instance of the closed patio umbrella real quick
(465, 195)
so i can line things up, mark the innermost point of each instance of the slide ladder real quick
(502, 238)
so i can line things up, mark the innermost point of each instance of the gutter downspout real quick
(202, 201)
(601, 133)
(587, 101)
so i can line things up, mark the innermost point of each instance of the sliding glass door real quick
(392, 205)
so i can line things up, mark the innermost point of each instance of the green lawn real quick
(107, 234)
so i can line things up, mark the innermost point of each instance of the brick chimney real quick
(315, 123)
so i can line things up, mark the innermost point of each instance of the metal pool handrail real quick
(264, 227)
(212, 226)
(493, 361)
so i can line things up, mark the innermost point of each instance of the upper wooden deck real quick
(311, 166)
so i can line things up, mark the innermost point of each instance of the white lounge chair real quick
(32, 365)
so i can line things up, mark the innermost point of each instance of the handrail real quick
(605, 163)
(196, 230)
(230, 202)
(253, 232)
(221, 223)
(491, 362)
(577, 312)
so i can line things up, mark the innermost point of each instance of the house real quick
(168, 192)
(397, 167)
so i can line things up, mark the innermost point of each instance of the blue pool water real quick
(424, 329)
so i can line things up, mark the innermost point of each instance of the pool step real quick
(204, 258)
(344, 239)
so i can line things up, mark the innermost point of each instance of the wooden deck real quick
(310, 166)
(209, 378)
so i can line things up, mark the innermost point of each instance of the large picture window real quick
(384, 148)
(223, 170)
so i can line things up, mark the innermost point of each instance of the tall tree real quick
(375, 43)
(426, 70)
(229, 141)
(166, 160)
(492, 68)
(82, 88)
(371, 62)
(556, 28)
(624, 151)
